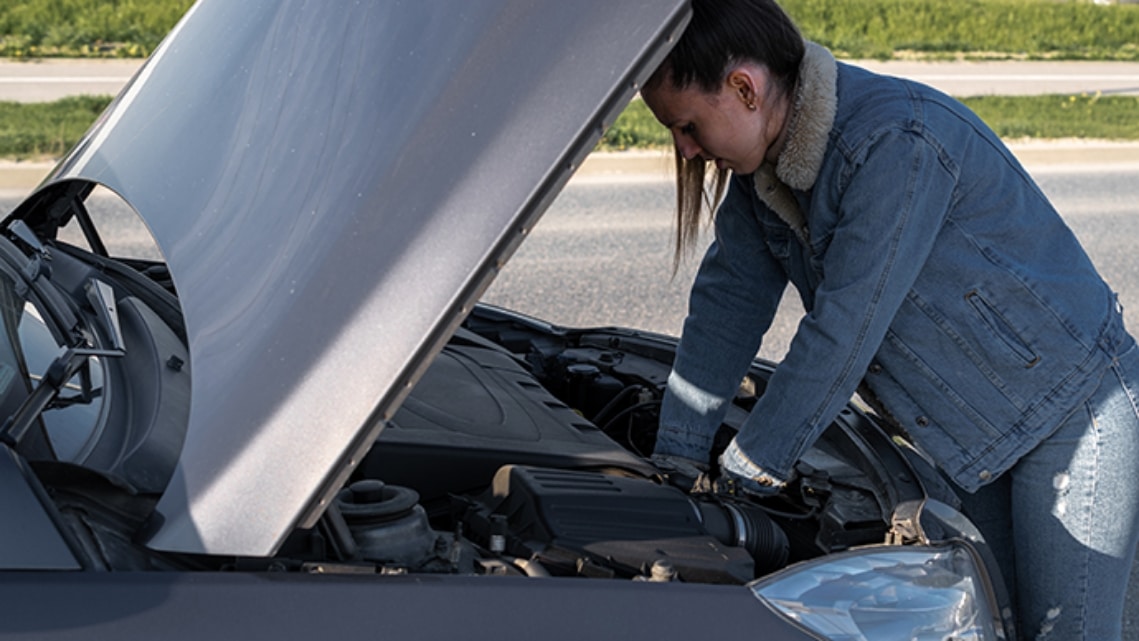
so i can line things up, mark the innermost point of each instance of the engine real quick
(523, 451)
(541, 521)
(520, 454)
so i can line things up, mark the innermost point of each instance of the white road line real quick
(30, 80)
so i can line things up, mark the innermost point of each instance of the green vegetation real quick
(1054, 116)
(46, 129)
(635, 128)
(123, 28)
(1059, 29)
(1082, 116)
(1053, 29)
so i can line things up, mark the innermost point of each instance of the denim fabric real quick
(735, 465)
(934, 269)
(1065, 519)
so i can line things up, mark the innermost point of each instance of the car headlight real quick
(878, 594)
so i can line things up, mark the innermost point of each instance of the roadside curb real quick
(22, 176)
(1090, 153)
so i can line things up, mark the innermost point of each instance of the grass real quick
(1052, 116)
(47, 129)
(1056, 29)
(1032, 29)
(1060, 116)
(635, 128)
(86, 28)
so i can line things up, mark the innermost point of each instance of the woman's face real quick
(737, 127)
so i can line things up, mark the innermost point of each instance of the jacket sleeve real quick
(732, 303)
(889, 213)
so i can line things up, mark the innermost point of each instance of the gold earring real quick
(751, 105)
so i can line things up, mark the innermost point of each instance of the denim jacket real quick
(931, 267)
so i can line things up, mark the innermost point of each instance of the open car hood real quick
(333, 185)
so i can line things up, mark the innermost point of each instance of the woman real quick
(936, 278)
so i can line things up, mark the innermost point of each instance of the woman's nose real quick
(686, 147)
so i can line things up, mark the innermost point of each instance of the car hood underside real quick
(332, 186)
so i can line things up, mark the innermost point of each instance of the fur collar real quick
(812, 117)
(808, 130)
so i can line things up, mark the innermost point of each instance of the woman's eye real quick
(688, 129)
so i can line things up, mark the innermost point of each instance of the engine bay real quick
(524, 450)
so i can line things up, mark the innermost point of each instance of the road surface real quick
(1017, 78)
(45, 80)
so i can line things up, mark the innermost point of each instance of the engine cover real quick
(475, 410)
(611, 521)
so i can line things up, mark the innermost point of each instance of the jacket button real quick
(874, 368)
(921, 421)
(985, 475)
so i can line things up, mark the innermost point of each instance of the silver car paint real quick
(332, 185)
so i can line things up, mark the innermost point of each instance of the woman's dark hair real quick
(721, 34)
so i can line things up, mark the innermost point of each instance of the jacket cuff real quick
(738, 464)
(679, 441)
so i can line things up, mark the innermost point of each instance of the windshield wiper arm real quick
(61, 370)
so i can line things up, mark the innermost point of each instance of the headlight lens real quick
(877, 594)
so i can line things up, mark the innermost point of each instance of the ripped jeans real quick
(1063, 522)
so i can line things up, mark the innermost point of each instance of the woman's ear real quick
(743, 83)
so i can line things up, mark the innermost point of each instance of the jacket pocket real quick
(1002, 329)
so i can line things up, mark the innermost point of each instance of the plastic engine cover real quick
(624, 523)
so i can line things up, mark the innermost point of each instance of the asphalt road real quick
(52, 79)
(1014, 78)
(47, 80)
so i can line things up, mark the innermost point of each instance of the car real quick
(293, 418)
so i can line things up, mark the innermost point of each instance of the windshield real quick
(72, 419)
(33, 342)
(13, 377)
